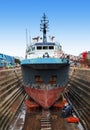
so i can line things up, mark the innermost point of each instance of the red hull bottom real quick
(45, 98)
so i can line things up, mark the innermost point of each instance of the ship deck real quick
(45, 61)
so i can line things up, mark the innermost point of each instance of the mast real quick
(44, 27)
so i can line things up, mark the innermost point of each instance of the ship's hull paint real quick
(47, 69)
(29, 73)
(45, 98)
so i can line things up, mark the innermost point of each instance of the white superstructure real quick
(41, 50)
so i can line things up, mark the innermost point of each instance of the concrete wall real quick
(79, 94)
(11, 95)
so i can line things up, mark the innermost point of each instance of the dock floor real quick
(32, 121)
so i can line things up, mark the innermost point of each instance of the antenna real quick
(44, 27)
(26, 43)
(26, 37)
(29, 38)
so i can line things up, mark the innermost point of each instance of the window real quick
(51, 47)
(45, 47)
(39, 47)
(33, 48)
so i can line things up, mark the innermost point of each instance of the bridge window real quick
(51, 47)
(39, 47)
(45, 47)
(33, 48)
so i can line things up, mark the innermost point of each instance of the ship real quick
(45, 69)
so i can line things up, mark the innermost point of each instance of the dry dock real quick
(34, 121)
(12, 96)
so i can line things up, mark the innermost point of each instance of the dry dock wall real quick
(79, 94)
(11, 95)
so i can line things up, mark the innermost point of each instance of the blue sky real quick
(69, 22)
